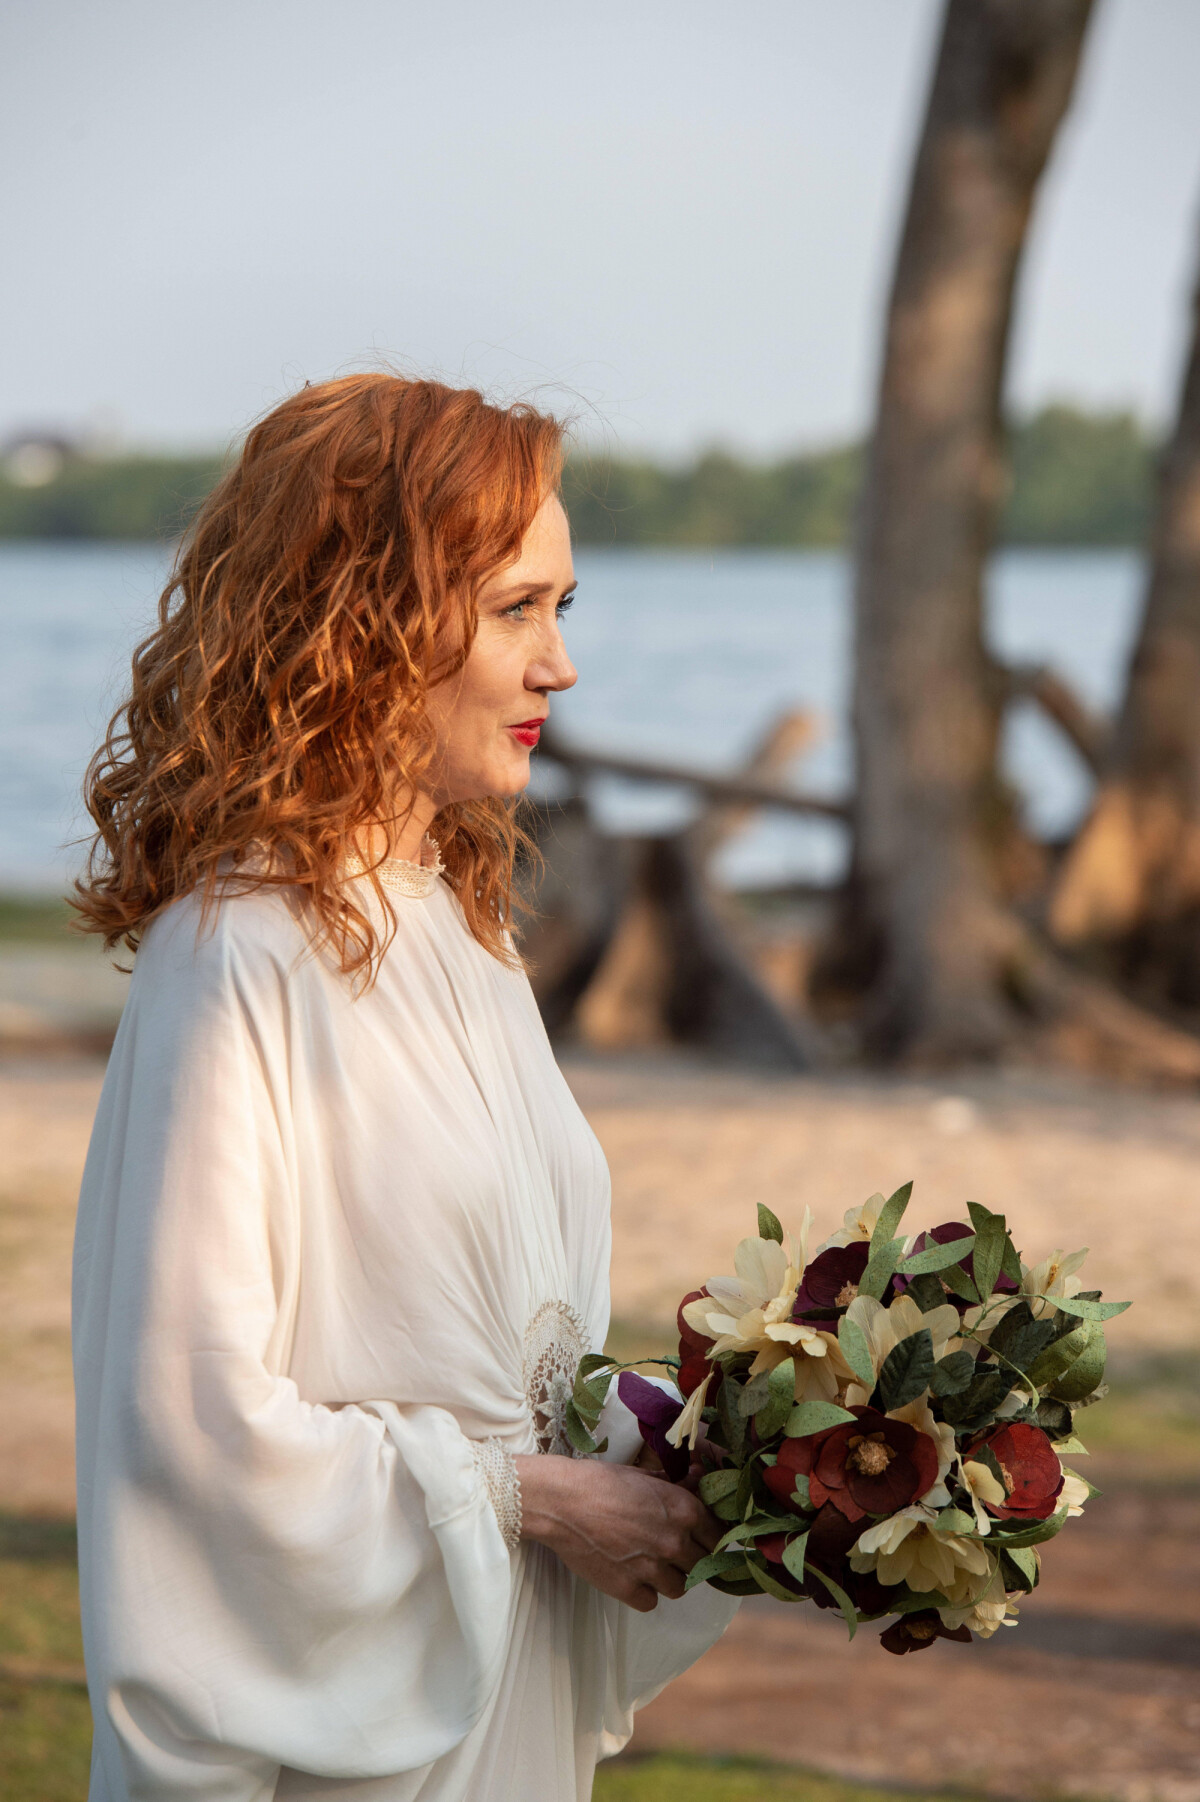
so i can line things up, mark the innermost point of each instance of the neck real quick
(398, 838)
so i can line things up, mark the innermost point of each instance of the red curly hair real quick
(325, 586)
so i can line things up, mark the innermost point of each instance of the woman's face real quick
(487, 715)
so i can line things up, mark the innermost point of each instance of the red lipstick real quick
(529, 731)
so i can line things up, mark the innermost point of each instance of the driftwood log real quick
(630, 945)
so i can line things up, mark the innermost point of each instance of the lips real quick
(529, 731)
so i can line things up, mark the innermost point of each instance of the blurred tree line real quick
(1076, 478)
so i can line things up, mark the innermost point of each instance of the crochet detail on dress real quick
(554, 1344)
(495, 1464)
(402, 876)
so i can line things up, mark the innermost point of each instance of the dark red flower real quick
(692, 1371)
(946, 1235)
(689, 1339)
(1029, 1468)
(869, 1465)
(693, 1349)
(830, 1538)
(831, 1283)
(914, 1632)
(655, 1411)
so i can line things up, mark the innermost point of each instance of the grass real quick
(680, 1777)
(45, 1724)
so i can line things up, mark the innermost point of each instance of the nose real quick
(551, 668)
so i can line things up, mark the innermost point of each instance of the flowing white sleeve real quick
(266, 1581)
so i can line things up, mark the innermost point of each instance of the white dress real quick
(325, 1243)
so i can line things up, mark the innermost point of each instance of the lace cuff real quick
(495, 1464)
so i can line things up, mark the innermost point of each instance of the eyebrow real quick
(531, 588)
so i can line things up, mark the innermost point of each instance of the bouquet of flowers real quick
(882, 1425)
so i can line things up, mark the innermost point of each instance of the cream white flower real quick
(884, 1328)
(908, 1548)
(1073, 1494)
(986, 1610)
(691, 1419)
(1055, 1275)
(752, 1312)
(982, 1486)
(858, 1223)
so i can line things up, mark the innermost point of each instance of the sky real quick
(675, 218)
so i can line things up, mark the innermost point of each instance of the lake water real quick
(686, 655)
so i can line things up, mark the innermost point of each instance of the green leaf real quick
(889, 1218)
(1083, 1309)
(766, 1582)
(717, 1483)
(990, 1234)
(577, 1432)
(1010, 1262)
(730, 1417)
(956, 1520)
(849, 1613)
(814, 1417)
(717, 1564)
(881, 1267)
(754, 1394)
(780, 1401)
(979, 1400)
(768, 1225)
(1035, 1534)
(927, 1292)
(757, 1528)
(936, 1257)
(952, 1373)
(1054, 1418)
(1022, 1342)
(1020, 1562)
(793, 1556)
(1062, 1352)
(800, 1493)
(733, 1586)
(960, 1282)
(856, 1351)
(915, 1601)
(1072, 1446)
(592, 1380)
(907, 1370)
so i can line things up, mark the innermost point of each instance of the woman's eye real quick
(564, 605)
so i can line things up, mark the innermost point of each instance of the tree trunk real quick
(1130, 885)
(931, 816)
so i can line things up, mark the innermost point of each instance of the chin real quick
(502, 783)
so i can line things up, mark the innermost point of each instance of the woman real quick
(343, 1233)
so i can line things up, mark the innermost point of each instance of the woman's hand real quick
(628, 1533)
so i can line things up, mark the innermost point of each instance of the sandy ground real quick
(691, 1151)
(1070, 1164)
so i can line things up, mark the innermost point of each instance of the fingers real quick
(697, 1523)
(643, 1598)
(670, 1581)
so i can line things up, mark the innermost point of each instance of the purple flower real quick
(656, 1411)
(831, 1283)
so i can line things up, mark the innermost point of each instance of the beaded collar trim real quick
(402, 876)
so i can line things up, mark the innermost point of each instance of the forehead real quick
(545, 554)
